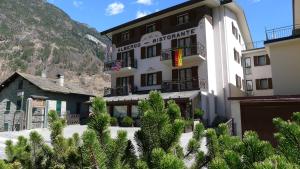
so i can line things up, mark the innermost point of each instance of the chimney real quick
(60, 79)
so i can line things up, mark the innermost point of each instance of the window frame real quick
(245, 65)
(125, 36)
(19, 106)
(260, 86)
(235, 31)
(7, 108)
(247, 89)
(238, 81)
(258, 60)
(153, 48)
(4, 126)
(186, 19)
(20, 85)
(237, 57)
(153, 25)
(151, 77)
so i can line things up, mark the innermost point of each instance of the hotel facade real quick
(211, 35)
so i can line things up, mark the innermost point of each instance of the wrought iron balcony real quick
(119, 91)
(282, 32)
(116, 65)
(197, 49)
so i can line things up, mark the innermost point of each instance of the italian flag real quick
(177, 57)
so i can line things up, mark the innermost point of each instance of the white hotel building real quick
(212, 34)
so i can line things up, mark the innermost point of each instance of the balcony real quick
(177, 86)
(282, 33)
(120, 66)
(192, 55)
(119, 91)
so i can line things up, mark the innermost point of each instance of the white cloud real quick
(140, 14)
(115, 8)
(144, 2)
(77, 4)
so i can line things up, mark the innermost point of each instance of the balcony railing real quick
(118, 64)
(119, 91)
(197, 49)
(282, 32)
(177, 86)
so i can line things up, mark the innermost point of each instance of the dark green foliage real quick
(127, 121)
(288, 137)
(129, 158)
(198, 113)
(113, 121)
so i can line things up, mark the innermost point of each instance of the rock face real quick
(37, 36)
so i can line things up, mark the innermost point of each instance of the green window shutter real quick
(5, 126)
(58, 107)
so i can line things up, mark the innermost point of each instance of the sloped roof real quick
(47, 84)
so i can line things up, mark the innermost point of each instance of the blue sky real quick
(104, 14)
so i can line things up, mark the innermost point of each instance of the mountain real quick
(37, 36)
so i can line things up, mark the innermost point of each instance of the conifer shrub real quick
(113, 121)
(127, 121)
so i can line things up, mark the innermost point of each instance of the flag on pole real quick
(177, 57)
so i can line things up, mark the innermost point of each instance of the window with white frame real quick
(249, 85)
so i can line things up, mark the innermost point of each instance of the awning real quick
(166, 96)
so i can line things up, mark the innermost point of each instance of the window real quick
(248, 62)
(182, 19)
(19, 104)
(261, 60)
(150, 28)
(8, 106)
(125, 36)
(185, 43)
(151, 51)
(236, 56)
(20, 85)
(58, 108)
(5, 126)
(17, 127)
(263, 84)
(185, 77)
(238, 81)
(151, 79)
(249, 85)
(235, 31)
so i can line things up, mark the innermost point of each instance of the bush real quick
(113, 121)
(198, 113)
(127, 121)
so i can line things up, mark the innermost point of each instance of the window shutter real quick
(143, 52)
(158, 49)
(175, 75)
(143, 80)
(131, 83)
(255, 60)
(143, 29)
(131, 53)
(174, 21)
(118, 82)
(159, 78)
(175, 78)
(194, 44)
(195, 81)
(270, 83)
(158, 26)
(174, 43)
(257, 84)
(268, 60)
(119, 56)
